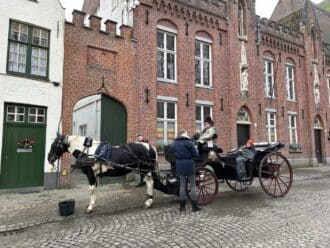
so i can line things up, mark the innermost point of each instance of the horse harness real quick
(85, 160)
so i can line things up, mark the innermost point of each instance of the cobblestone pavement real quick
(249, 219)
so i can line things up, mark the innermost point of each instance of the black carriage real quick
(271, 167)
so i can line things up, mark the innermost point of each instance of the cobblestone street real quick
(249, 219)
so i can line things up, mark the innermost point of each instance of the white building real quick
(31, 76)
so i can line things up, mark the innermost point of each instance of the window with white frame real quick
(203, 64)
(166, 122)
(202, 111)
(271, 126)
(289, 71)
(36, 115)
(166, 56)
(28, 50)
(15, 114)
(328, 83)
(293, 129)
(269, 78)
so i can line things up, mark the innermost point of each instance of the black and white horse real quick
(124, 159)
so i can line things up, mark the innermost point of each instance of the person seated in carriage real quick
(246, 154)
(206, 139)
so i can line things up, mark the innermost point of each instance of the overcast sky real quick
(264, 7)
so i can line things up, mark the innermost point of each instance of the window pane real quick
(17, 57)
(160, 110)
(20, 118)
(197, 49)
(160, 133)
(206, 51)
(198, 127)
(170, 66)
(11, 109)
(207, 111)
(10, 117)
(160, 40)
(198, 113)
(170, 132)
(41, 111)
(32, 111)
(20, 110)
(19, 32)
(40, 37)
(206, 73)
(198, 79)
(32, 118)
(39, 61)
(170, 110)
(160, 64)
(170, 42)
(40, 119)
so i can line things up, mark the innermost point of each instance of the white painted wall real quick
(120, 11)
(48, 14)
(87, 111)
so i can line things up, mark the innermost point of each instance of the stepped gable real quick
(276, 35)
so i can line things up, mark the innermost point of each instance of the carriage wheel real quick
(275, 174)
(238, 186)
(206, 186)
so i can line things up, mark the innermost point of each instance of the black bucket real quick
(66, 207)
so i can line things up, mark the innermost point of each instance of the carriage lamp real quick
(147, 92)
(56, 84)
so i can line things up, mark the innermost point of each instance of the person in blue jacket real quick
(185, 152)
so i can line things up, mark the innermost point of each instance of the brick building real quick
(181, 61)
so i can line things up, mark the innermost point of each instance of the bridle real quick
(58, 147)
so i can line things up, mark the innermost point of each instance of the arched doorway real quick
(102, 118)
(243, 126)
(318, 139)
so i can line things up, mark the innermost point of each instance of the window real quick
(15, 114)
(203, 63)
(83, 130)
(36, 115)
(166, 56)
(28, 50)
(328, 79)
(293, 129)
(202, 111)
(166, 122)
(289, 71)
(271, 126)
(269, 78)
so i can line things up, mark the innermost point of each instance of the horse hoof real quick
(88, 211)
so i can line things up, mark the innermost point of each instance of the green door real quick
(23, 146)
(113, 121)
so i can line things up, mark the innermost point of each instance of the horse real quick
(135, 156)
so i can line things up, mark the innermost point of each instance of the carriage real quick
(269, 165)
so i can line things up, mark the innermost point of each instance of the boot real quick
(195, 207)
(182, 206)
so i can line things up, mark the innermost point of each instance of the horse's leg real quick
(92, 189)
(150, 188)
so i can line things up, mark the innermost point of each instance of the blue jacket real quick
(185, 152)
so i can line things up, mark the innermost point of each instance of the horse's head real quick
(58, 147)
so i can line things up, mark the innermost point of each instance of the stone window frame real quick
(203, 42)
(292, 127)
(165, 121)
(26, 40)
(288, 80)
(269, 126)
(167, 31)
(268, 85)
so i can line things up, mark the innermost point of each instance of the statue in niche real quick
(244, 77)
(317, 94)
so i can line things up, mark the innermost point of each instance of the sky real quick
(264, 8)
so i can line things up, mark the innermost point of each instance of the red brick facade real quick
(129, 66)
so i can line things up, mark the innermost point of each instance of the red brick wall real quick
(90, 56)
